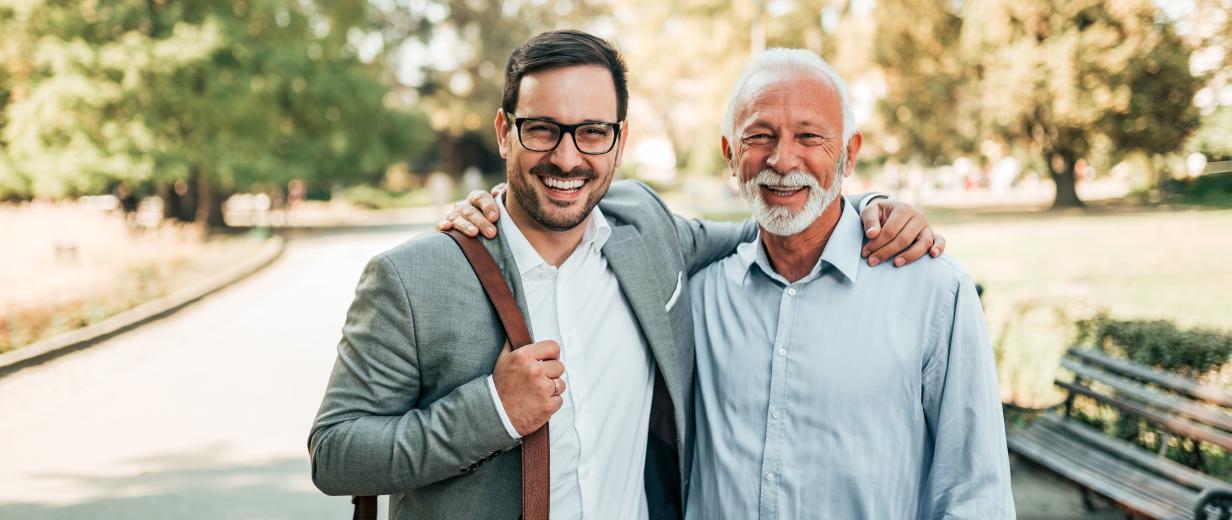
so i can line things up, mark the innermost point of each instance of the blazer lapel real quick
(641, 283)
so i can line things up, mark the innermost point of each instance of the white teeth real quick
(562, 184)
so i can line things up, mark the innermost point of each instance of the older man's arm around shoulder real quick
(373, 435)
(969, 476)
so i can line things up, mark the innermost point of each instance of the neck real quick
(553, 246)
(793, 257)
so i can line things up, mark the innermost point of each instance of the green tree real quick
(1072, 79)
(916, 45)
(227, 96)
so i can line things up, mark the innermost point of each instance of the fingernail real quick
(491, 214)
(899, 262)
(935, 252)
(873, 261)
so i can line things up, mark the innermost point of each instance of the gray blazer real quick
(407, 411)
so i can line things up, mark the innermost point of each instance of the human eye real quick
(808, 139)
(757, 139)
(539, 128)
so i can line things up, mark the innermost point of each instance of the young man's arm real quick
(970, 475)
(895, 229)
(371, 435)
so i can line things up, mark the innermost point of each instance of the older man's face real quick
(789, 124)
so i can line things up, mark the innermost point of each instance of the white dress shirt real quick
(598, 437)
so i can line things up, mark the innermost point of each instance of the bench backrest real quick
(1173, 403)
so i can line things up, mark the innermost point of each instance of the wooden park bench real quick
(1144, 484)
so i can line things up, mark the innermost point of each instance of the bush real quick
(1158, 343)
(1213, 189)
(372, 197)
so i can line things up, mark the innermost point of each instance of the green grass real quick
(1043, 271)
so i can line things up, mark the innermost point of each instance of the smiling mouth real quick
(563, 186)
(783, 191)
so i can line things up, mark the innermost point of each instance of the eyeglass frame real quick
(565, 129)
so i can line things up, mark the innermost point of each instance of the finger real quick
(560, 382)
(901, 240)
(918, 249)
(871, 216)
(554, 403)
(476, 219)
(890, 228)
(461, 224)
(544, 350)
(938, 246)
(553, 368)
(506, 348)
(499, 189)
(444, 225)
(486, 203)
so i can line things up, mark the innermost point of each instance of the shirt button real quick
(769, 477)
(778, 414)
(782, 352)
(791, 291)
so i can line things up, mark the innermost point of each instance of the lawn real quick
(1042, 270)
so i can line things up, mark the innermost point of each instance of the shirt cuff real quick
(500, 409)
(869, 198)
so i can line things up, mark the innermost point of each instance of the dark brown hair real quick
(559, 49)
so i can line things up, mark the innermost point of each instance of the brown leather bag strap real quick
(365, 508)
(536, 485)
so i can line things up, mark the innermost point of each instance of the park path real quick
(201, 415)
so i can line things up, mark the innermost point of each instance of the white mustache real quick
(792, 179)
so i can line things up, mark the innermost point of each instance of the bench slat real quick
(1203, 392)
(1173, 423)
(1136, 391)
(1162, 465)
(1134, 491)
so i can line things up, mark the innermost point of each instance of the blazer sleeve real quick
(372, 435)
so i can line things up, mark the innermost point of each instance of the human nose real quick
(785, 157)
(566, 156)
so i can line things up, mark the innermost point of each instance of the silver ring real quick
(556, 385)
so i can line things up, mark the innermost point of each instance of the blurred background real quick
(1077, 155)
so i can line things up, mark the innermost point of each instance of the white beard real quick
(779, 220)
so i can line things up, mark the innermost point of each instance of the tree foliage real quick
(225, 95)
(1076, 79)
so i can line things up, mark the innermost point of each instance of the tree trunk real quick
(1061, 169)
(209, 203)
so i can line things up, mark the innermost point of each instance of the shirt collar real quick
(842, 251)
(598, 230)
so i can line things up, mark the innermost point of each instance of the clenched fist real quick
(528, 381)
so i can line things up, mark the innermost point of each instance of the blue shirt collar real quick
(842, 251)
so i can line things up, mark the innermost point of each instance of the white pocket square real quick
(675, 294)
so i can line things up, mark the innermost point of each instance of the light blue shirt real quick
(853, 393)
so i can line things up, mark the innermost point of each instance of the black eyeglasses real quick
(543, 135)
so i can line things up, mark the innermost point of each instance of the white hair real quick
(785, 63)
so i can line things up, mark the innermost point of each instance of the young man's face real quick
(558, 188)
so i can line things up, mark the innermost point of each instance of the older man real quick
(808, 404)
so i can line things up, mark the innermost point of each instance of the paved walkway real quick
(202, 415)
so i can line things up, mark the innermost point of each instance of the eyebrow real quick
(582, 122)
